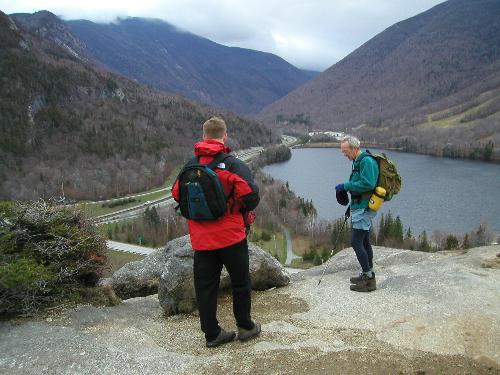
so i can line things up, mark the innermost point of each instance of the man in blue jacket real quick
(361, 184)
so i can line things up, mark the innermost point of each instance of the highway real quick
(132, 212)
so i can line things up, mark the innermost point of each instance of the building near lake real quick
(337, 135)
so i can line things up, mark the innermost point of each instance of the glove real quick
(248, 218)
(339, 187)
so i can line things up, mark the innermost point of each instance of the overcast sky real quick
(311, 34)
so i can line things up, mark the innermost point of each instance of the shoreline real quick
(384, 147)
(337, 145)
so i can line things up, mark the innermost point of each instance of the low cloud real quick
(311, 35)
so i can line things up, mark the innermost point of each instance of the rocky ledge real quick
(169, 272)
(433, 313)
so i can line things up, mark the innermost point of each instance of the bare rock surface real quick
(169, 272)
(139, 278)
(431, 314)
(176, 287)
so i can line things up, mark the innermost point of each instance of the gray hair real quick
(352, 141)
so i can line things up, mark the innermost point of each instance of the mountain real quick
(437, 73)
(156, 53)
(49, 27)
(66, 122)
(311, 73)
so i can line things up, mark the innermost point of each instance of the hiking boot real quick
(357, 279)
(247, 334)
(222, 338)
(365, 284)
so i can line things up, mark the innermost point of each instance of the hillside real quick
(155, 53)
(67, 123)
(433, 313)
(443, 64)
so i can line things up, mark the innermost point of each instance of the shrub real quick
(118, 202)
(451, 243)
(265, 236)
(317, 260)
(47, 255)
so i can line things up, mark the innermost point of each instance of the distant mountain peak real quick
(159, 54)
(47, 25)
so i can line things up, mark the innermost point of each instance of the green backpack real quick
(388, 176)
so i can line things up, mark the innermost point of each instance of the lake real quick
(449, 195)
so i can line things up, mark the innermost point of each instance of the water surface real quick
(443, 194)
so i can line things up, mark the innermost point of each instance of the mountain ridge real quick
(441, 58)
(158, 54)
(67, 122)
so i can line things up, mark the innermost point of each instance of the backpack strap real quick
(366, 194)
(376, 161)
(357, 169)
(219, 158)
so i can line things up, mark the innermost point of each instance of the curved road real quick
(289, 247)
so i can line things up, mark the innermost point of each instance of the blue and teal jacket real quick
(363, 180)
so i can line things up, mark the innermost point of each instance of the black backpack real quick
(201, 194)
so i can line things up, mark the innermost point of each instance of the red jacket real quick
(235, 175)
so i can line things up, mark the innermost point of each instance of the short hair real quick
(351, 140)
(214, 128)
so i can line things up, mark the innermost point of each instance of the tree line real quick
(70, 128)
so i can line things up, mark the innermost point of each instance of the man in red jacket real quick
(223, 241)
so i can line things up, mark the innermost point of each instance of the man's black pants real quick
(361, 244)
(207, 269)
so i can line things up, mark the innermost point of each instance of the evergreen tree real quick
(389, 225)
(466, 242)
(408, 235)
(381, 230)
(116, 230)
(110, 233)
(451, 243)
(325, 254)
(307, 207)
(373, 237)
(282, 203)
(390, 231)
(409, 240)
(397, 232)
(317, 260)
(130, 237)
(151, 217)
(155, 218)
(338, 236)
(481, 236)
(424, 244)
(488, 150)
